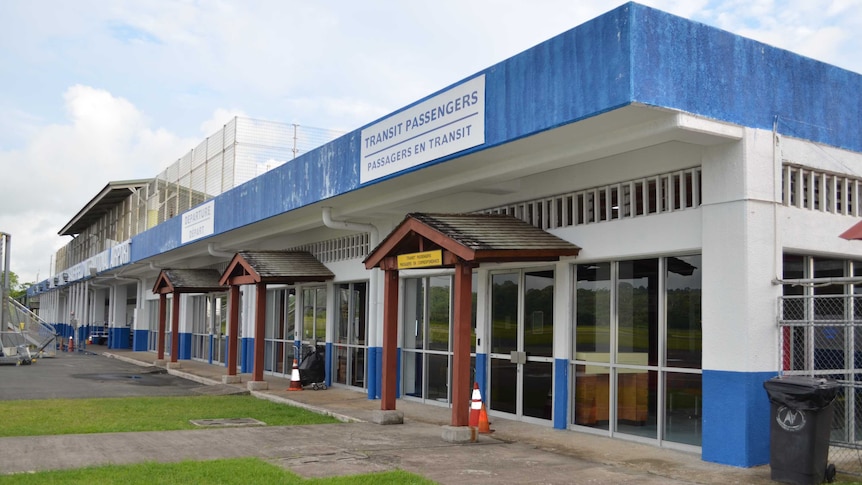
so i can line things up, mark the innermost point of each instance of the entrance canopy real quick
(276, 267)
(462, 241)
(473, 238)
(188, 281)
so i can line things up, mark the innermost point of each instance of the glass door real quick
(522, 340)
(218, 316)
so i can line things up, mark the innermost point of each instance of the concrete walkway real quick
(515, 453)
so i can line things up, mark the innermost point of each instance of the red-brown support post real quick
(233, 330)
(175, 327)
(259, 331)
(461, 385)
(163, 317)
(390, 340)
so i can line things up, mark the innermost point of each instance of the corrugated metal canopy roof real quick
(472, 237)
(188, 281)
(114, 193)
(285, 267)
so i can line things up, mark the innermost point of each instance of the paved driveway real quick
(85, 374)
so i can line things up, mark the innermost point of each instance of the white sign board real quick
(199, 222)
(447, 123)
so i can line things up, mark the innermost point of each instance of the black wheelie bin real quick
(800, 422)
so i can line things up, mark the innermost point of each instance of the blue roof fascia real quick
(692, 67)
(632, 54)
(578, 74)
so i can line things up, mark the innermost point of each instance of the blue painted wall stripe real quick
(735, 418)
(482, 375)
(327, 364)
(247, 360)
(185, 350)
(141, 342)
(561, 393)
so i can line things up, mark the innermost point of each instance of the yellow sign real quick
(425, 259)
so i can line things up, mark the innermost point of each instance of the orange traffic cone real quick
(71, 344)
(295, 383)
(484, 425)
(475, 405)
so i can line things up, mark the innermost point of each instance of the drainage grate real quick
(224, 422)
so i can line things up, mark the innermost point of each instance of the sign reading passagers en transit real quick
(447, 123)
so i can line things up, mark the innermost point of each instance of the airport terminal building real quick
(624, 230)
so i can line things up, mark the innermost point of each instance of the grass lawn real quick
(81, 416)
(239, 471)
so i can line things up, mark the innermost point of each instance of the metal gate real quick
(821, 336)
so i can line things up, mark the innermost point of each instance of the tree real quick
(16, 290)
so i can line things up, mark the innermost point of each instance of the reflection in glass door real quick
(218, 316)
(637, 349)
(426, 329)
(350, 339)
(522, 341)
(200, 327)
(279, 331)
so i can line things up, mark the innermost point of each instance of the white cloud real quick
(63, 165)
(218, 119)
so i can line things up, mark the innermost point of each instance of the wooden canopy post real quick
(163, 316)
(233, 330)
(175, 327)
(390, 340)
(259, 331)
(461, 385)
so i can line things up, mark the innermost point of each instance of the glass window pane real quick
(290, 319)
(593, 320)
(414, 313)
(320, 315)
(357, 367)
(683, 408)
(539, 313)
(307, 314)
(340, 365)
(474, 285)
(592, 396)
(411, 374)
(684, 336)
(439, 296)
(636, 402)
(504, 313)
(538, 397)
(637, 312)
(438, 377)
(343, 330)
(504, 380)
(360, 313)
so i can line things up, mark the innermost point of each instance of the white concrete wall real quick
(739, 256)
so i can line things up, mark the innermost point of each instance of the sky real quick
(94, 91)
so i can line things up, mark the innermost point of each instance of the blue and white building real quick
(705, 177)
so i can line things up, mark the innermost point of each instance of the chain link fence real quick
(243, 149)
(821, 336)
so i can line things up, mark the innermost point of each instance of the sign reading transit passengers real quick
(199, 222)
(447, 123)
